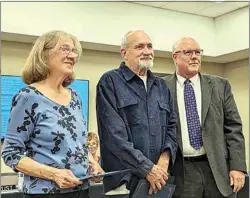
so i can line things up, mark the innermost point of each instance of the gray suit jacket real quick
(221, 132)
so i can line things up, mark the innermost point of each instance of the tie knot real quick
(187, 82)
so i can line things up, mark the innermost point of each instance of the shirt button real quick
(152, 134)
(152, 150)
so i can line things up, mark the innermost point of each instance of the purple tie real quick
(193, 122)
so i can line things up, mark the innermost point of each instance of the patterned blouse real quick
(49, 133)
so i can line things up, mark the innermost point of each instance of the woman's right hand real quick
(65, 178)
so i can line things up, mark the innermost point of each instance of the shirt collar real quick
(194, 80)
(129, 74)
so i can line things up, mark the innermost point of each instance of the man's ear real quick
(123, 54)
(174, 56)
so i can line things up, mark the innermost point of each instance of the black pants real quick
(77, 194)
(117, 196)
(199, 181)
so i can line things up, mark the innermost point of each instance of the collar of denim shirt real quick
(129, 74)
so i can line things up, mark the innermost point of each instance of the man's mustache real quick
(147, 57)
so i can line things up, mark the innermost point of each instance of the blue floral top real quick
(49, 133)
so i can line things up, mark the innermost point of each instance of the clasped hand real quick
(157, 178)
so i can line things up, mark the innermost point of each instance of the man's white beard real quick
(146, 65)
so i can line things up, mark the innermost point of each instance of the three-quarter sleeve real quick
(20, 127)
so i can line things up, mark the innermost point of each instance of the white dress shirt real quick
(188, 150)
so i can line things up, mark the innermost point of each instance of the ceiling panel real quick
(211, 8)
(217, 9)
(189, 7)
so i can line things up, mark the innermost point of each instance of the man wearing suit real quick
(210, 161)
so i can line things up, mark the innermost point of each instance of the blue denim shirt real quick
(50, 134)
(135, 126)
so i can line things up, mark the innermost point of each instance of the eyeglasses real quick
(67, 50)
(190, 52)
(90, 143)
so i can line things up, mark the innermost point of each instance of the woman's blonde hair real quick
(93, 136)
(36, 67)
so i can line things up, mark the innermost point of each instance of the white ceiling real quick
(203, 8)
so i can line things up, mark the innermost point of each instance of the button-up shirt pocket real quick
(164, 113)
(129, 110)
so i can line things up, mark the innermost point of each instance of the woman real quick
(46, 136)
(93, 144)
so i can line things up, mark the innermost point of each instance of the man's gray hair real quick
(124, 43)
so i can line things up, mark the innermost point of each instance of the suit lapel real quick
(206, 94)
(172, 86)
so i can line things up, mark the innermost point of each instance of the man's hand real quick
(237, 179)
(157, 178)
(163, 161)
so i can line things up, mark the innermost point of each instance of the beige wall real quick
(94, 63)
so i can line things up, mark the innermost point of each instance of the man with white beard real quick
(136, 120)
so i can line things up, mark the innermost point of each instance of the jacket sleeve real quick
(20, 126)
(113, 132)
(233, 132)
(170, 136)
